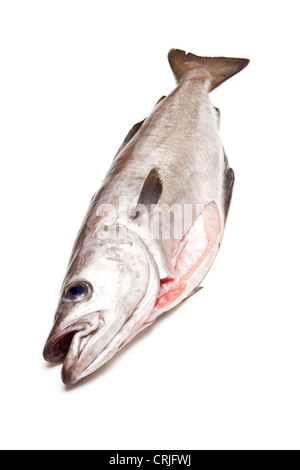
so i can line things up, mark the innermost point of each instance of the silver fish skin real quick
(155, 226)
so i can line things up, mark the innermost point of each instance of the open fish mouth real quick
(70, 342)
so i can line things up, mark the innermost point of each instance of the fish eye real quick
(78, 291)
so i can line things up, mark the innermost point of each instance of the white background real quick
(222, 370)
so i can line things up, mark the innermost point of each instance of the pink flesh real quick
(197, 244)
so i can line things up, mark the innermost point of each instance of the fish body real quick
(153, 229)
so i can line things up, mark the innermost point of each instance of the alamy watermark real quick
(158, 221)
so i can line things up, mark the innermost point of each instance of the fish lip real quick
(57, 347)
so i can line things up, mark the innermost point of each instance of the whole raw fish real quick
(155, 226)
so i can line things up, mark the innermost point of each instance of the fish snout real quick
(72, 338)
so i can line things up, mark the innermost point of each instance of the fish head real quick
(107, 282)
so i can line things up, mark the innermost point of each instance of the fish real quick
(154, 228)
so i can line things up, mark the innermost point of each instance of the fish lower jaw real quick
(69, 369)
(69, 374)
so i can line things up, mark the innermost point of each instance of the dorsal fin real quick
(160, 100)
(218, 115)
(134, 130)
(151, 190)
(130, 135)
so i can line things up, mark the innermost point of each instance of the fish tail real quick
(215, 69)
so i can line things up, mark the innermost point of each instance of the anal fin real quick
(228, 186)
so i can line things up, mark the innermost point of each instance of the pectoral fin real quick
(152, 189)
(150, 192)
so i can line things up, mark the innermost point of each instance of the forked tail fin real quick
(216, 69)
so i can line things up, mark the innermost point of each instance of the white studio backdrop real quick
(222, 370)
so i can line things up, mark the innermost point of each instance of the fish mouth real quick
(67, 346)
